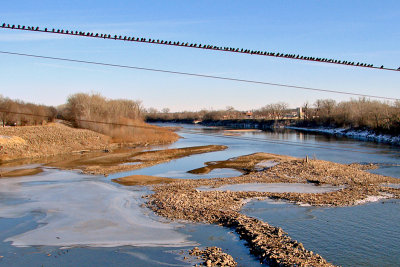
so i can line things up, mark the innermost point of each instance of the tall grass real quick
(9, 110)
(122, 119)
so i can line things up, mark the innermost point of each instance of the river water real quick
(64, 218)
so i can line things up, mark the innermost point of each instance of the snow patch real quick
(355, 134)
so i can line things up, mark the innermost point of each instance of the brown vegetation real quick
(121, 119)
(276, 111)
(43, 141)
(9, 110)
(382, 117)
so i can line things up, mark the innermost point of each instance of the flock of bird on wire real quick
(204, 46)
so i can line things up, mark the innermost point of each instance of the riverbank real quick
(21, 142)
(365, 135)
(236, 124)
(181, 200)
(294, 124)
(32, 142)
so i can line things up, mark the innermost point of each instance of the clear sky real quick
(357, 30)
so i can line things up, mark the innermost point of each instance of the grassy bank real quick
(30, 142)
(22, 142)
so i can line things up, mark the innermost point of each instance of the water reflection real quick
(365, 235)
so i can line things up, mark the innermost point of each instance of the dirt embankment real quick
(182, 200)
(32, 142)
(22, 142)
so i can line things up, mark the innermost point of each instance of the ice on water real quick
(83, 210)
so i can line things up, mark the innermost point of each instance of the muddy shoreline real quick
(181, 200)
(39, 143)
(130, 159)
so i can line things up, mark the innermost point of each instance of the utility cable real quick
(191, 45)
(82, 120)
(199, 75)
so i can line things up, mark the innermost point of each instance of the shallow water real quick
(63, 218)
(92, 211)
(364, 235)
(283, 142)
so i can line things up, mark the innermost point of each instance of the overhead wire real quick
(191, 45)
(82, 120)
(286, 142)
(199, 75)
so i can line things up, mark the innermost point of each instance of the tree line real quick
(275, 111)
(121, 119)
(81, 108)
(16, 112)
(187, 44)
(381, 117)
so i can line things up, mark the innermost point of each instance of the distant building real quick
(300, 113)
(249, 114)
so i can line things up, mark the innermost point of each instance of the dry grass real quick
(41, 141)
(120, 119)
(11, 141)
(29, 142)
(133, 132)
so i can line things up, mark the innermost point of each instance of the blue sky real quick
(365, 31)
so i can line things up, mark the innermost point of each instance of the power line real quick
(198, 75)
(265, 140)
(82, 120)
(191, 45)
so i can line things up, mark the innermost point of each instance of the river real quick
(64, 218)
